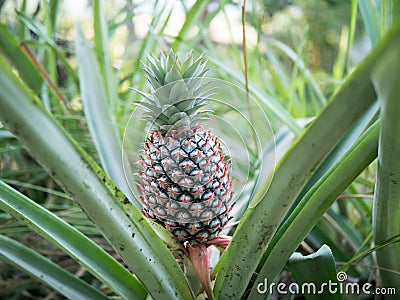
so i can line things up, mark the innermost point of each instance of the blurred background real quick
(285, 38)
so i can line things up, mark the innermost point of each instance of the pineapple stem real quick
(200, 258)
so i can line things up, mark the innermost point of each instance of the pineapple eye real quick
(152, 199)
(196, 153)
(206, 215)
(187, 164)
(185, 198)
(196, 172)
(207, 195)
(183, 216)
(160, 212)
(175, 189)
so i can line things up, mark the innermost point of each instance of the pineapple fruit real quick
(185, 179)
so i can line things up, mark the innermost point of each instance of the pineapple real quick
(185, 180)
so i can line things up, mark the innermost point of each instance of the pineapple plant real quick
(185, 180)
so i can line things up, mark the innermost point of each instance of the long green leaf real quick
(386, 212)
(359, 256)
(101, 121)
(49, 55)
(390, 13)
(36, 27)
(314, 271)
(89, 255)
(46, 271)
(102, 52)
(263, 98)
(191, 17)
(5, 134)
(315, 203)
(268, 209)
(128, 231)
(370, 16)
(9, 47)
(347, 141)
(320, 236)
(148, 44)
(54, 10)
(301, 65)
(345, 228)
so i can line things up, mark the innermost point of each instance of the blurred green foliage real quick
(316, 23)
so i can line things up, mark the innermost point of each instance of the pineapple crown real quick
(178, 91)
